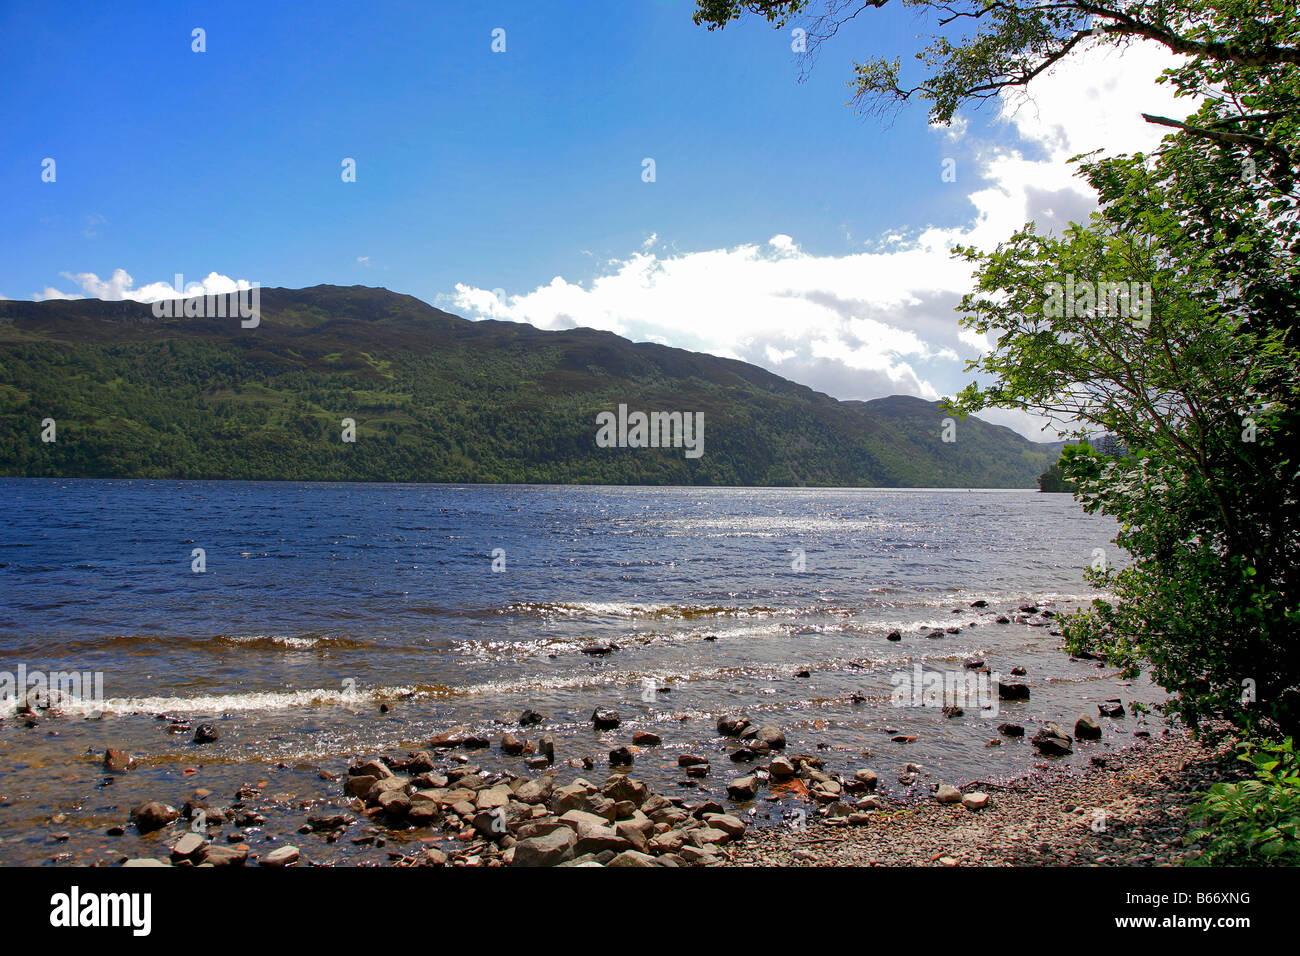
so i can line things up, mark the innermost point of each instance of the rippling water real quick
(319, 602)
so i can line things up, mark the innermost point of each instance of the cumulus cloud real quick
(880, 321)
(121, 286)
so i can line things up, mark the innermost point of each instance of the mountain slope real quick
(436, 398)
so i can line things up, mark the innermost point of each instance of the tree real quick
(983, 47)
(1168, 320)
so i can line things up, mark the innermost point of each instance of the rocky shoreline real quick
(437, 806)
(1125, 809)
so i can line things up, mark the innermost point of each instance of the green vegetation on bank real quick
(1256, 821)
(436, 398)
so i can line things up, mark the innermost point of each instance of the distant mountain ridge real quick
(436, 397)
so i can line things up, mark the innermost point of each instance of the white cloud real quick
(121, 286)
(877, 322)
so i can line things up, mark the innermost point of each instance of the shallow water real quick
(320, 602)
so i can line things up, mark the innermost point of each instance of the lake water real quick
(318, 603)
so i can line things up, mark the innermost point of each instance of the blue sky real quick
(513, 171)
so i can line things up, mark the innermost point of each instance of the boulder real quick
(188, 846)
(864, 780)
(1051, 742)
(395, 803)
(329, 820)
(707, 836)
(568, 797)
(458, 737)
(732, 725)
(603, 718)
(548, 850)
(370, 768)
(493, 797)
(743, 788)
(219, 855)
(728, 824)
(387, 785)
(153, 816)
(1013, 690)
(206, 734)
(632, 858)
(947, 794)
(781, 768)
(281, 856)
(633, 834)
(620, 787)
(359, 786)
(1085, 728)
(536, 791)
(593, 833)
(770, 738)
(118, 761)
(975, 800)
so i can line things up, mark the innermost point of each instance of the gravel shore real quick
(1128, 809)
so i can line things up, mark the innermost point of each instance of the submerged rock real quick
(206, 734)
(118, 761)
(153, 816)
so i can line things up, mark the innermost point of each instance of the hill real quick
(436, 398)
